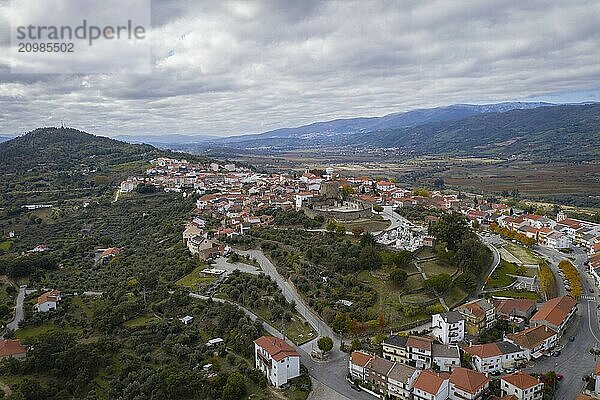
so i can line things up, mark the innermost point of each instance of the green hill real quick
(54, 164)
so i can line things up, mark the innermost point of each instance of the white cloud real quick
(238, 67)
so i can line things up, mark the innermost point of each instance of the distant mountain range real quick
(537, 131)
(391, 121)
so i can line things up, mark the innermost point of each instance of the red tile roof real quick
(532, 337)
(521, 380)
(555, 310)
(508, 306)
(468, 380)
(421, 343)
(11, 347)
(429, 381)
(53, 295)
(360, 358)
(483, 350)
(277, 348)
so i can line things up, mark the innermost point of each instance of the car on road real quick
(559, 377)
(571, 338)
(556, 353)
(356, 387)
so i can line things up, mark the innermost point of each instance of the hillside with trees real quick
(52, 164)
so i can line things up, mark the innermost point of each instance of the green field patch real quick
(32, 332)
(454, 296)
(141, 321)
(5, 246)
(436, 267)
(369, 225)
(195, 278)
(501, 277)
(395, 303)
(418, 297)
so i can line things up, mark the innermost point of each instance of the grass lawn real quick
(517, 295)
(32, 332)
(500, 277)
(391, 298)
(454, 296)
(424, 252)
(5, 246)
(419, 297)
(141, 321)
(196, 277)
(437, 267)
(523, 254)
(83, 309)
(299, 331)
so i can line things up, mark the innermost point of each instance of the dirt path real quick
(117, 196)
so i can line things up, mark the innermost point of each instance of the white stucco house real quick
(276, 359)
(448, 327)
(48, 301)
(523, 386)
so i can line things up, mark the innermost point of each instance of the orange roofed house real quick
(479, 315)
(536, 340)
(430, 385)
(12, 349)
(48, 301)
(522, 386)
(357, 365)
(466, 384)
(276, 359)
(555, 313)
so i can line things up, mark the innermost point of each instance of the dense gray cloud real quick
(240, 66)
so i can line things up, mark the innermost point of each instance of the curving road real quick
(331, 373)
(489, 241)
(19, 314)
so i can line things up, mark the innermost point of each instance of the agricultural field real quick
(571, 183)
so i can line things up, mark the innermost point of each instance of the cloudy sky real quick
(224, 68)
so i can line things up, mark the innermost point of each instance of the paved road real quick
(331, 373)
(489, 241)
(389, 214)
(19, 314)
(575, 361)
